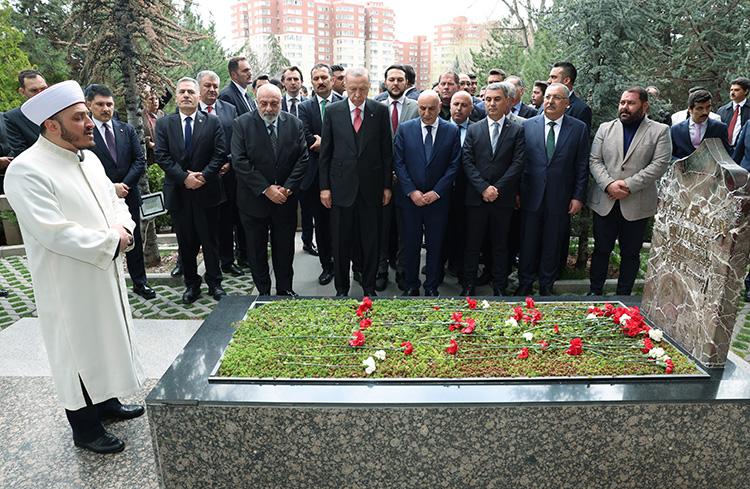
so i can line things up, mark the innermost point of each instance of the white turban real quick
(49, 102)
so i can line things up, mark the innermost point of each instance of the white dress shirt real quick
(490, 122)
(100, 126)
(558, 123)
(434, 126)
(351, 110)
(399, 104)
(192, 121)
(738, 123)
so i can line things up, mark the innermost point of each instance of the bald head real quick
(269, 102)
(428, 105)
(461, 106)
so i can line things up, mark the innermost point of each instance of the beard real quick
(84, 141)
(269, 118)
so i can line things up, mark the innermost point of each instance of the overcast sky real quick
(413, 17)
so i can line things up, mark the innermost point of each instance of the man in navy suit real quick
(735, 113)
(519, 108)
(426, 157)
(493, 155)
(565, 73)
(311, 113)
(292, 79)
(688, 134)
(121, 154)
(22, 133)
(190, 149)
(235, 92)
(553, 188)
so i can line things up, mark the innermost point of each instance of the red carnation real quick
(518, 313)
(437, 308)
(452, 348)
(670, 366)
(367, 302)
(470, 325)
(556, 329)
(407, 347)
(358, 339)
(524, 354)
(536, 316)
(544, 344)
(530, 303)
(365, 323)
(647, 345)
(576, 347)
(457, 317)
(472, 303)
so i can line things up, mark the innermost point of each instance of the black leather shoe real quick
(431, 293)
(411, 293)
(264, 292)
(400, 281)
(423, 271)
(523, 290)
(498, 292)
(233, 270)
(381, 281)
(545, 290)
(144, 291)
(217, 293)
(3, 293)
(369, 293)
(357, 277)
(310, 248)
(191, 295)
(325, 277)
(243, 263)
(342, 293)
(287, 293)
(468, 290)
(176, 271)
(485, 278)
(107, 443)
(125, 411)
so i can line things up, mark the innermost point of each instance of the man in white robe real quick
(76, 231)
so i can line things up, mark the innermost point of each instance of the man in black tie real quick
(735, 113)
(356, 156)
(493, 155)
(270, 157)
(190, 149)
(121, 154)
(235, 92)
(565, 73)
(22, 133)
(292, 80)
(311, 113)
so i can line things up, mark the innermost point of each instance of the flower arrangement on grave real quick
(447, 338)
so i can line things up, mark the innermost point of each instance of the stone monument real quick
(699, 252)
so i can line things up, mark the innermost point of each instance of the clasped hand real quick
(194, 180)
(277, 194)
(490, 194)
(618, 190)
(422, 199)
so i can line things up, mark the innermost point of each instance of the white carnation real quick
(528, 336)
(656, 352)
(485, 304)
(511, 322)
(656, 334)
(369, 365)
(380, 355)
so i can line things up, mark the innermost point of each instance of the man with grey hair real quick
(493, 155)
(230, 229)
(511, 90)
(270, 158)
(519, 108)
(355, 162)
(190, 148)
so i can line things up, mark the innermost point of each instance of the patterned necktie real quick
(323, 108)
(188, 135)
(357, 123)
(428, 144)
(732, 123)
(495, 135)
(293, 106)
(551, 140)
(110, 139)
(274, 139)
(394, 117)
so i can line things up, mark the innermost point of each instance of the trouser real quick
(86, 422)
(542, 233)
(197, 228)
(390, 237)
(608, 229)
(487, 217)
(134, 257)
(322, 224)
(428, 221)
(359, 224)
(230, 230)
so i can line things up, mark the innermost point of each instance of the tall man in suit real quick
(121, 154)
(628, 156)
(5, 157)
(190, 149)
(688, 134)
(311, 113)
(565, 73)
(230, 228)
(356, 156)
(400, 109)
(292, 79)
(270, 158)
(553, 188)
(235, 92)
(426, 156)
(493, 154)
(735, 113)
(22, 133)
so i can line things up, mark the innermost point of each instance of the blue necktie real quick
(188, 135)
(428, 144)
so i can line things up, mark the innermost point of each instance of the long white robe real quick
(65, 209)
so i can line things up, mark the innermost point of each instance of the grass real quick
(310, 339)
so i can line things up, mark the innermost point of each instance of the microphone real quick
(81, 156)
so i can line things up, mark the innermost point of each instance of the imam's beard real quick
(78, 142)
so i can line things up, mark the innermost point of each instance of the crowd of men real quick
(479, 179)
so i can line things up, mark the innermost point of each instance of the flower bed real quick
(446, 338)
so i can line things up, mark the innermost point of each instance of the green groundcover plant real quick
(446, 339)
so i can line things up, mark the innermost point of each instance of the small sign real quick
(152, 205)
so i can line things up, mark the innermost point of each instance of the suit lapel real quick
(119, 133)
(176, 128)
(562, 138)
(642, 128)
(198, 130)
(501, 138)
(106, 157)
(365, 128)
(619, 138)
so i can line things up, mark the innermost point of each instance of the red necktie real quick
(732, 123)
(357, 119)
(209, 109)
(394, 117)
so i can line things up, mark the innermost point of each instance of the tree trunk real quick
(582, 257)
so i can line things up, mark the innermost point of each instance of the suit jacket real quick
(22, 133)
(502, 169)
(130, 163)
(727, 111)
(561, 178)
(741, 154)
(356, 163)
(300, 98)
(412, 93)
(232, 95)
(414, 171)
(526, 112)
(578, 109)
(408, 111)
(647, 159)
(4, 146)
(226, 113)
(682, 146)
(207, 154)
(256, 165)
(309, 114)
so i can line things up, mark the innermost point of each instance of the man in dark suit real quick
(447, 86)
(311, 113)
(230, 228)
(356, 156)
(426, 156)
(22, 133)
(519, 108)
(553, 188)
(565, 73)
(235, 92)
(493, 154)
(121, 154)
(270, 157)
(737, 111)
(5, 157)
(687, 135)
(190, 149)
